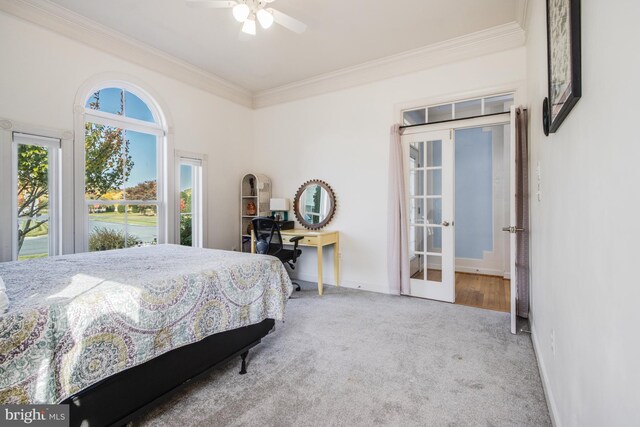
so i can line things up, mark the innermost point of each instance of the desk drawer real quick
(309, 240)
(306, 240)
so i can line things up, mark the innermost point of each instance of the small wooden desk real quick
(317, 239)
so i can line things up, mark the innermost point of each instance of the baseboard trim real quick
(311, 278)
(482, 271)
(546, 387)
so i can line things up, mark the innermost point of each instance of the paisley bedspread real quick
(74, 320)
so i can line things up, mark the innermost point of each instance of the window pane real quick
(414, 117)
(468, 109)
(416, 266)
(186, 204)
(106, 163)
(186, 229)
(136, 108)
(416, 155)
(33, 238)
(108, 100)
(432, 264)
(434, 240)
(33, 201)
(142, 180)
(186, 188)
(107, 227)
(122, 226)
(434, 268)
(434, 182)
(416, 239)
(498, 104)
(416, 183)
(434, 211)
(434, 153)
(440, 113)
(416, 211)
(142, 225)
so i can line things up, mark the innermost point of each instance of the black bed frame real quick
(132, 393)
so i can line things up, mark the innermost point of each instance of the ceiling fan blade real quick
(288, 22)
(217, 4)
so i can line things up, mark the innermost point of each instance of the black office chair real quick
(269, 242)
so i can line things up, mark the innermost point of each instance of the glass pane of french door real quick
(425, 209)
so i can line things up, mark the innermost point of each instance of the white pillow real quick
(4, 299)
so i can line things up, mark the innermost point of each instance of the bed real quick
(114, 332)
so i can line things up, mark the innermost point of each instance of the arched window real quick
(124, 183)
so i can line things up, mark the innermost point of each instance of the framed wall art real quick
(564, 62)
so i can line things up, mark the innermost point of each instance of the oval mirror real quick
(314, 204)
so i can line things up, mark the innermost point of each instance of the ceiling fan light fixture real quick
(249, 26)
(241, 12)
(265, 18)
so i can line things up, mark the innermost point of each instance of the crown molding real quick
(495, 39)
(76, 27)
(522, 13)
(53, 17)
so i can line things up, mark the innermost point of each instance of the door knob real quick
(445, 223)
(512, 229)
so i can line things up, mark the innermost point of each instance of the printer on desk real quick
(286, 225)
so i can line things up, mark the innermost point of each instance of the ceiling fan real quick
(247, 11)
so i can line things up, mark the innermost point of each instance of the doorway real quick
(481, 208)
(458, 194)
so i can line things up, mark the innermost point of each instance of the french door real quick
(429, 160)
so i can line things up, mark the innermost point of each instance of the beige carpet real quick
(353, 358)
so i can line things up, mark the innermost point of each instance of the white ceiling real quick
(341, 33)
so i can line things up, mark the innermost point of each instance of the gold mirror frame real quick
(332, 208)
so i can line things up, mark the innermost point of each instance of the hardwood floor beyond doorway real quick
(488, 292)
(477, 290)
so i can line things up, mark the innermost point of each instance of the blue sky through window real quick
(111, 102)
(136, 108)
(142, 149)
(186, 177)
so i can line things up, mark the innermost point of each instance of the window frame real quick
(199, 229)
(54, 186)
(66, 137)
(453, 101)
(157, 128)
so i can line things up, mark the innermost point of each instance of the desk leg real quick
(336, 262)
(320, 287)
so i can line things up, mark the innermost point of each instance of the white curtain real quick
(397, 236)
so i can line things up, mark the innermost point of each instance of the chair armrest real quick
(295, 241)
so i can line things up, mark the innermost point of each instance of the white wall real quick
(42, 71)
(343, 138)
(585, 231)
